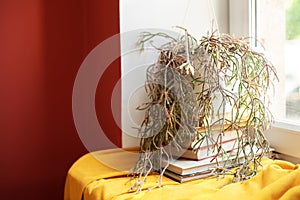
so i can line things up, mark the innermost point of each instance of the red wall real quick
(42, 44)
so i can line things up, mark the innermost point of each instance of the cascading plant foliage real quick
(183, 86)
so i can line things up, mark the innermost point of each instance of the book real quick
(204, 153)
(185, 166)
(227, 136)
(189, 177)
(207, 149)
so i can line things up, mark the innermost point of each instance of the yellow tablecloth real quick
(103, 175)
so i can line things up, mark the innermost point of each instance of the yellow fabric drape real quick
(103, 175)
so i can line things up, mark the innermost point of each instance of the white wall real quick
(156, 15)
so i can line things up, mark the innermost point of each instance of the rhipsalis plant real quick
(197, 91)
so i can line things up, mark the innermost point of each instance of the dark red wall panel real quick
(102, 25)
(42, 45)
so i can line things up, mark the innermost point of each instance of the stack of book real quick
(198, 164)
(208, 149)
(183, 170)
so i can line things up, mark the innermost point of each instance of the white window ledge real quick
(287, 125)
(285, 138)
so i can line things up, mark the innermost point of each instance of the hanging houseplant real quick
(183, 86)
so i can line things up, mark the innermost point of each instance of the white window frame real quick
(284, 136)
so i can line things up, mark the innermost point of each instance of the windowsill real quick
(287, 125)
(285, 138)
